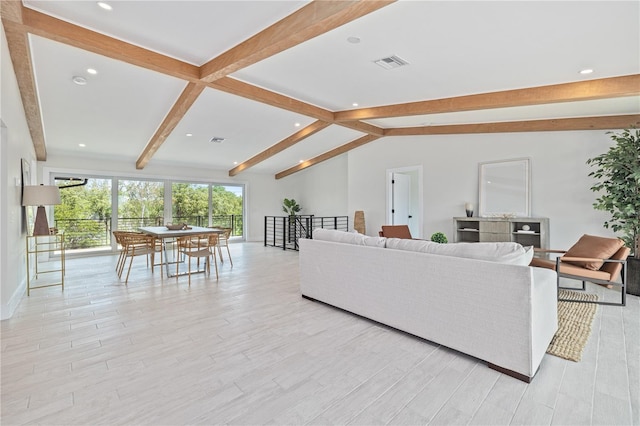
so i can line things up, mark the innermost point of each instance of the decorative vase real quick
(468, 207)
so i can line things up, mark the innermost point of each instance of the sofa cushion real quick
(593, 247)
(354, 238)
(502, 252)
(409, 245)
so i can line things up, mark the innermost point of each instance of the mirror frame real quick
(521, 201)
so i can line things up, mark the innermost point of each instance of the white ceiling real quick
(454, 48)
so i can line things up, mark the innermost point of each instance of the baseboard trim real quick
(8, 309)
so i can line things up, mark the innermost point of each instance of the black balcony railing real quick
(285, 231)
(94, 233)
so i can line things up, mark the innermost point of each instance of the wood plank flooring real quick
(247, 349)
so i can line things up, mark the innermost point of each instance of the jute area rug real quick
(574, 325)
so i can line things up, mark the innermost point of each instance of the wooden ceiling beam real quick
(549, 125)
(280, 146)
(582, 123)
(64, 32)
(255, 93)
(177, 112)
(18, 43)
(362, 127)
(328, 155)
(312, 20)
(612, 87)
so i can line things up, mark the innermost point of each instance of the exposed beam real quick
(18, 43)
(245, 90)
(64, 32)
(549, 125)
(363, 127)
(280, 146)
(177, 112)
(612, 87)
(314, 19)
(11, 11)
(328, 155)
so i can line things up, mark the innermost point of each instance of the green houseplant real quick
(617, 173)
(439, 237)
(290, 207)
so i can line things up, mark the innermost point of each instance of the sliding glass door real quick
(92, 207)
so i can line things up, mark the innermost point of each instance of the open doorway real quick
(404, 198)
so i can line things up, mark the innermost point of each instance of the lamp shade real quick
(40, 195)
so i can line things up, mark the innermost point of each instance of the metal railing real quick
(96, 233)
(285, 231)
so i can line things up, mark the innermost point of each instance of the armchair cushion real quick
(593, 247)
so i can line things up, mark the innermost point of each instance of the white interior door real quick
(400, 199)
(404, 198)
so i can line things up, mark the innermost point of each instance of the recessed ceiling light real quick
(80, 81)
(235, 162)
(353, 40)
(189, 134)
(81, 145)
(92, 71)
(301, 161)
(297, 124)
(355, 104)
(586, 71)
(104, 5)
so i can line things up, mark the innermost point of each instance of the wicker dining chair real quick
(198, 246)
(133, 245)
(223, 239)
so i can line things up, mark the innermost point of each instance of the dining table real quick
(163, 234)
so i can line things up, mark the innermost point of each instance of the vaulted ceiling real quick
(279, 80)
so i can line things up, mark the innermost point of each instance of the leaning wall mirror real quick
(505, 188)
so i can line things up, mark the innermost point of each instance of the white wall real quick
(560, 182)
(321, 190)
(16, 144)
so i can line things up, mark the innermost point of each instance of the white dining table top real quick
(164, 232)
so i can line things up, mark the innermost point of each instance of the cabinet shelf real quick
(490, 229)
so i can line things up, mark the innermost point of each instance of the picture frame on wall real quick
(25, 169)
(28, 217)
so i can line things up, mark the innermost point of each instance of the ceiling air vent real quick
(392, 61)
(216, 139)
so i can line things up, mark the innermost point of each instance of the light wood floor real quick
(249, 350)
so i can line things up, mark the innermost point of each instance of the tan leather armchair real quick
(595, 259)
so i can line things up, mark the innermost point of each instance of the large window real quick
(140, 203)
(95, 206)
(84, 214)
(190, 203)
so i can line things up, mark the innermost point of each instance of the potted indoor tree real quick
(618, 185)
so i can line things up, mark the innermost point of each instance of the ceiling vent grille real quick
(216, 139)
(391, 62)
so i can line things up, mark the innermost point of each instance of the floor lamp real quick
(41, 195)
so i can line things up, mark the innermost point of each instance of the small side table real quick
(44, 245)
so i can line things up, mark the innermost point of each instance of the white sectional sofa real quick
(497, 309)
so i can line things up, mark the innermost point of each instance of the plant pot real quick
(633, 276)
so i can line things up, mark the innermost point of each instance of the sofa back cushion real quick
(593, 247)
(506, 252)
(348, 238)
